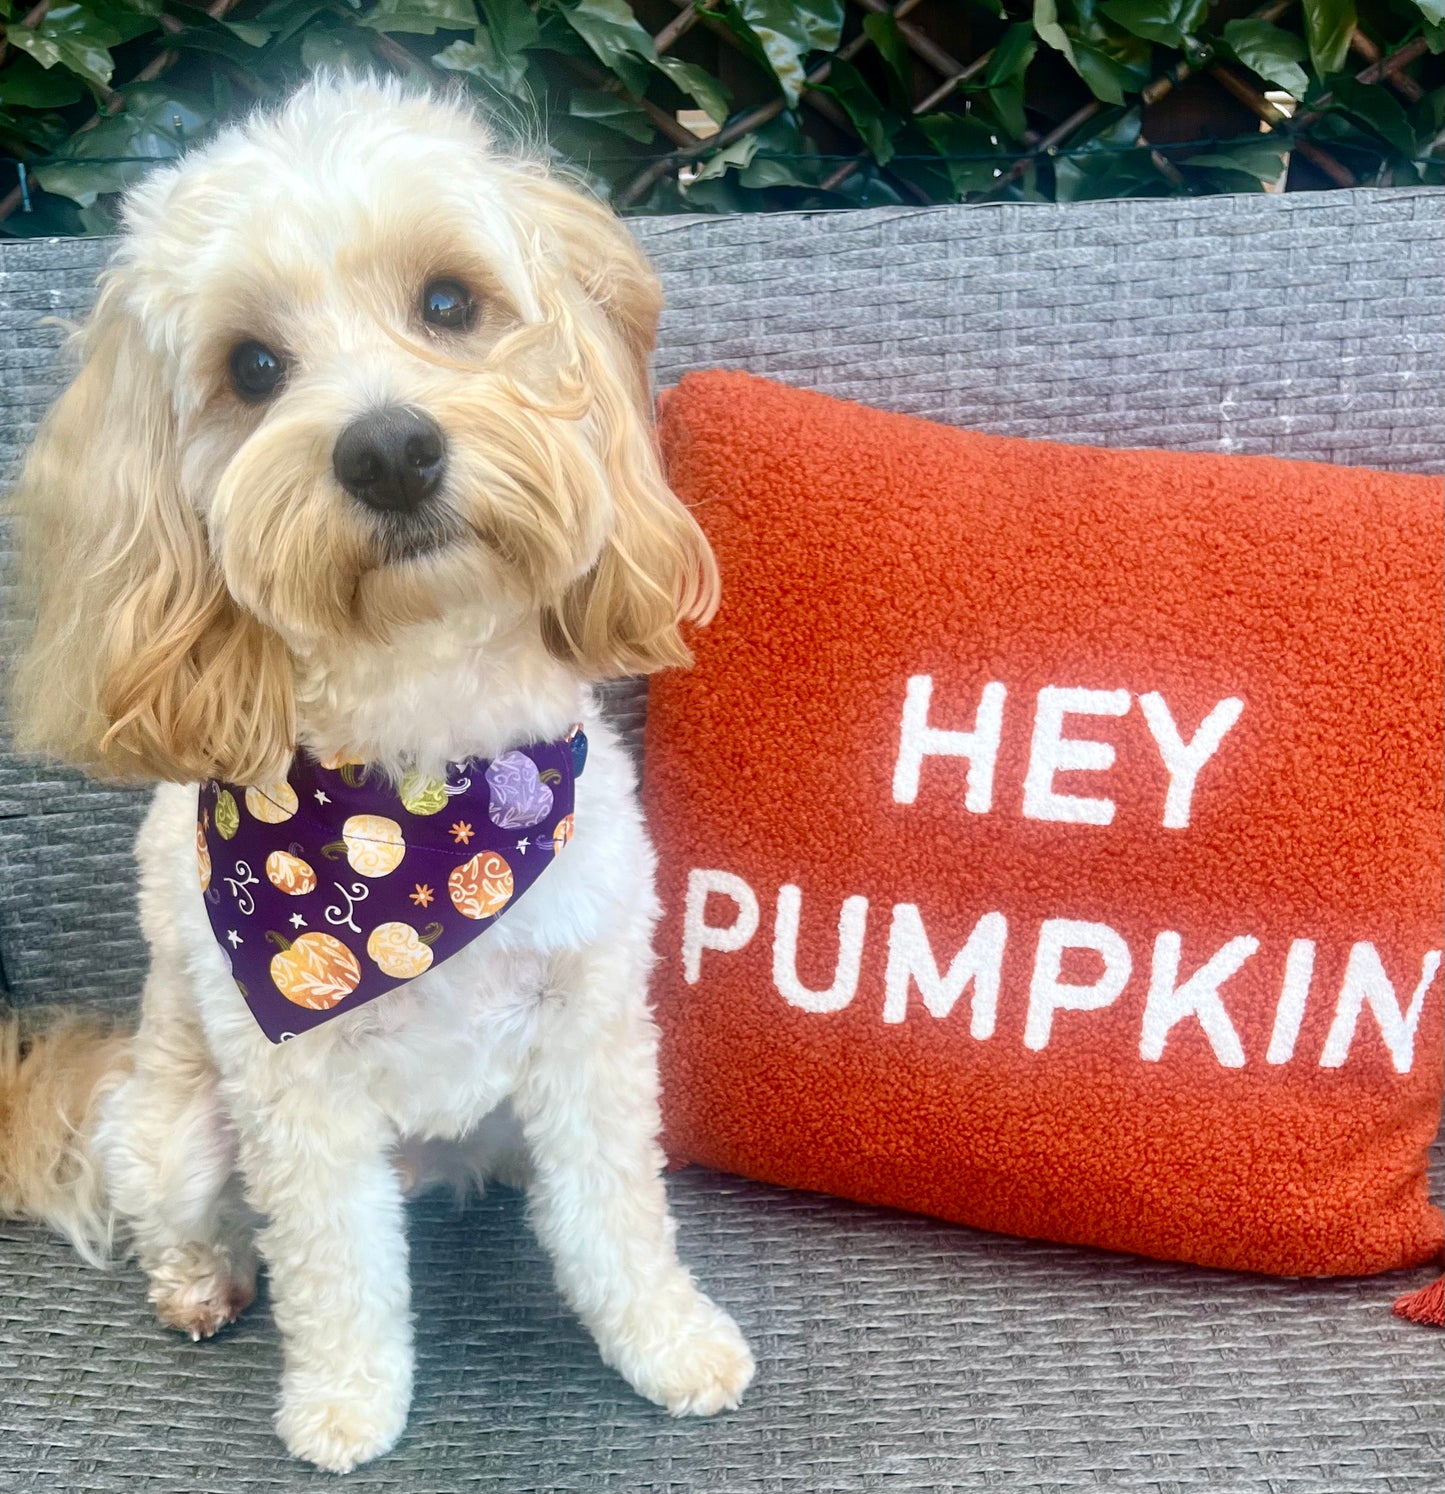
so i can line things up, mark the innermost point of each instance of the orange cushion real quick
(1051, 837)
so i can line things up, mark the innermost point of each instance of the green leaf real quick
(699, 85)
(739, 154)
(975, 157)
(420, 17)
(76, 37)
(1106, 76)
(479, 59)
(1164, 21)
(785, 158)
(252, 34)
(130, 18)
(716, 195)
(43, 130)
(1262, 158)
(212, 40)
(512, 25)
(1011, 55)
(875, 125)
(615, 38)
(882, 30)
(1088, 177)
(1008, 105)
(1223, 179)
(156, 124)
(612, 113)
(27, 85)
(787, 31)
(1377, 110)
(1050, 32)
(625, 48)
(1111, 61)
(1329, 25)
(284, 18)
(1274, 54)
(346, 48)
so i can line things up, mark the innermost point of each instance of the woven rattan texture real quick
(895, 1353)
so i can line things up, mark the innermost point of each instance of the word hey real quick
(1051, 752)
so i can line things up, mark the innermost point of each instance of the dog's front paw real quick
(693, 1360)
(338, 1427)
(198, 1289)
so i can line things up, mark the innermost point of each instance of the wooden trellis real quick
(943, 73)
(1220, 99)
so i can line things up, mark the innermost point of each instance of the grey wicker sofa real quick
(895, 1353)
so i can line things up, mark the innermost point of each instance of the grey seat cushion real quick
(895, 1353)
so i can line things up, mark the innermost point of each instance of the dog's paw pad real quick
(198, 1289)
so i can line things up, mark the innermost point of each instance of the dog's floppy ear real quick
(141, 665)
(657, 569)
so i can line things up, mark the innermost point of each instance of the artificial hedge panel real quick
(744, 105)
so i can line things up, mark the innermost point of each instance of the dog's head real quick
(354, 369)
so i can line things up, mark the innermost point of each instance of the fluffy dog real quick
(215, 584)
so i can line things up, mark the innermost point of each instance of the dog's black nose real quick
(392, 459)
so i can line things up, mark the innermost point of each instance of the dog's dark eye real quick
(256, 372)
(447, 303)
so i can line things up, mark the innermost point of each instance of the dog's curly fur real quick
(208, 597)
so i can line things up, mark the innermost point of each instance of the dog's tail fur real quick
(51, 1086)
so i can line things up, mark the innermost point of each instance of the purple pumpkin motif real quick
(519, 798)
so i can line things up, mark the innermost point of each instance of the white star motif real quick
(297, 922)
(322, 797)
(523, 844)
(235, 938)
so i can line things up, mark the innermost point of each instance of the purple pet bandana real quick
(335, 885)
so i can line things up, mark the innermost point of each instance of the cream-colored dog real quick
(214, 587)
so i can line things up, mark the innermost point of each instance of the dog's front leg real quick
(317, 1166)
(589, 1109)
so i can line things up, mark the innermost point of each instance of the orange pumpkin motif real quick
(290, 874)
(272, 803)
(316, 971)
(400, 951)
(203, 857)
(562, 834)
(482, 887)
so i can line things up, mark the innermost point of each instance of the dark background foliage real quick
(740, 105)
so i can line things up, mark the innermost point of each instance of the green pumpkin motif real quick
(228, 817)
(423, 795)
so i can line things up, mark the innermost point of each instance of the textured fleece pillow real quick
(1051, 837)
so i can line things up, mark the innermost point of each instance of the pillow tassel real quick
(1425, 1306)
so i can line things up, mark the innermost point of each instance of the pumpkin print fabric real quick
(335, 885)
